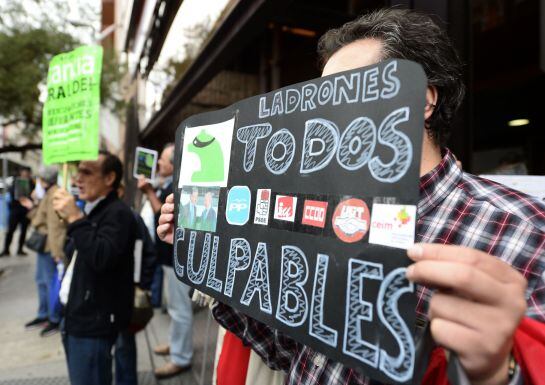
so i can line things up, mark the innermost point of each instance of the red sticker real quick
(351, 220)
(314, 213)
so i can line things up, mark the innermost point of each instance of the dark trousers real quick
(157, 287)
(16, 217)
(125, 359)
(89, 360)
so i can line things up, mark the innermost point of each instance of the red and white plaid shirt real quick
(454, 208)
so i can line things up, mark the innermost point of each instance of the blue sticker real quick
(239, 200)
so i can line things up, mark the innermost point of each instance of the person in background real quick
(180, 345)
(18, 214)
(46, 221)
(125, 345)
(97, 289)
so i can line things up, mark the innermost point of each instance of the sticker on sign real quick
(314, 213)
(262, 206)
(284, 208)
(393, 225)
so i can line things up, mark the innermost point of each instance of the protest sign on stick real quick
(70, 121)
(312, 192)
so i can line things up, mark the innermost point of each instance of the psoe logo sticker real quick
(262, 206)
(314, 213)
(284, 208)
(237, 211)
(351, 220)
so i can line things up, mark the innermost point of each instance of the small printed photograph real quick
(198, 208)
(145, 163)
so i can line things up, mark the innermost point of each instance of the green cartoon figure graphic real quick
(208, 149)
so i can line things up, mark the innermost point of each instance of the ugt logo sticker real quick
(238, 205)
(314, 213)
(351, 220)
(262, 205)
(284, 209)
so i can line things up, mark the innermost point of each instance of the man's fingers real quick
(167, 208)
(166, 219)
(464, 279)
(475, 258)
(170, 198)
(457, 309)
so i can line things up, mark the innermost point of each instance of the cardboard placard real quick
(70, 121)
(145, 163)
(305, 177)
(21, 188)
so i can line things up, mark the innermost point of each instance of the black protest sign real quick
(295, 207)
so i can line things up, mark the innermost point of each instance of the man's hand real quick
(65, 204)
(165, 230)
(144, 185)
(476, 309)
(26, 203)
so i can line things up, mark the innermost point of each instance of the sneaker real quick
(35, 323)
(50, 329)
(5, 254)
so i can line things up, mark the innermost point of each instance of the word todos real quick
(322, 141)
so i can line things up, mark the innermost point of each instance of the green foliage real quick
(28, 41)
(24, 60)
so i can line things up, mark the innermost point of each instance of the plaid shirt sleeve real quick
(273, 347)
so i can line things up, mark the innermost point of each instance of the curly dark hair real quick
(407, 34)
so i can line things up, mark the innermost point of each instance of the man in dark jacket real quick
(97, 289)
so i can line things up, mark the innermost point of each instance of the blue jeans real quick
(157, 287)
(89, 360)
(181, 323)
(125, 359)
(45, 271)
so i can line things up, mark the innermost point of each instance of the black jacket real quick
(102, 291)
(164, 250)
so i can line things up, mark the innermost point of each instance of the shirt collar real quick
(438, 183)
(166, 182)
(89, 206)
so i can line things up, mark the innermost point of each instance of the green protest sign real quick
(71, 112)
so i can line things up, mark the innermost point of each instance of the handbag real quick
(142, 312)
(36, 241)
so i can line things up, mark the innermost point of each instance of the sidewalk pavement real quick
(27, 359)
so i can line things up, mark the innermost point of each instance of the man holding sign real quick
(482, 245)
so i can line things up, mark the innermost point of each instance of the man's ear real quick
(431, 101)
(110, 179)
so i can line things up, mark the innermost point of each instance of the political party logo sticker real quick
(284, 209)
(314, 213)
(237, 211)
(351, 220)
(262, 206)
(206, 155)
(393, 225)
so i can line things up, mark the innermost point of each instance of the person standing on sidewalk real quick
(46, 221)
(17, 216)
(180, 345)
(97, 289)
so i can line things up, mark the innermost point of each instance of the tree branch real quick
(23, 148)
